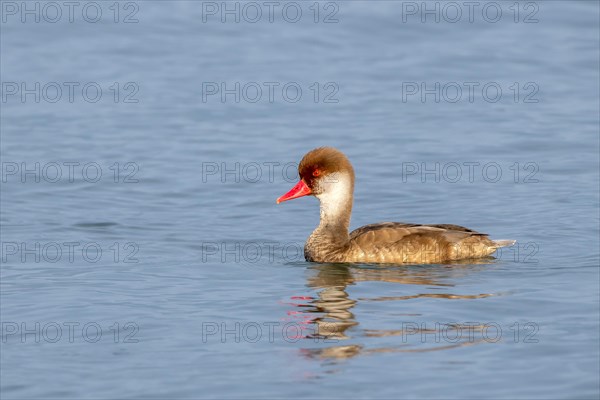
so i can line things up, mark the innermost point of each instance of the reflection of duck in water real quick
(332, 309)
(333, 302)
(327, 174)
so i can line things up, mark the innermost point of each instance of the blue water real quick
(175, 274)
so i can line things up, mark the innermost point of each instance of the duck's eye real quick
(316, 172)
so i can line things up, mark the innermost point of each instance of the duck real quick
(327, 174)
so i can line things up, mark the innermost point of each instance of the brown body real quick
(328, 175)
(395, 242)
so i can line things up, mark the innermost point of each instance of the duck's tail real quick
(503, 243)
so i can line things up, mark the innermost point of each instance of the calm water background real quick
(189, 249)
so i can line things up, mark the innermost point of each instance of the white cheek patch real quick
(336, 192)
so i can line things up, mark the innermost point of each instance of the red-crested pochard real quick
(327, 174)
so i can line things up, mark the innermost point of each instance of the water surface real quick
(201, 291)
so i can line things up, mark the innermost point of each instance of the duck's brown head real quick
(323, 170)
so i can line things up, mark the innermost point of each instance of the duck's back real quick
(397, 242)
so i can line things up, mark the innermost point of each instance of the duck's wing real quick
(394, 241)
(389, 232)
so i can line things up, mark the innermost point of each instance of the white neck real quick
(336, 200)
